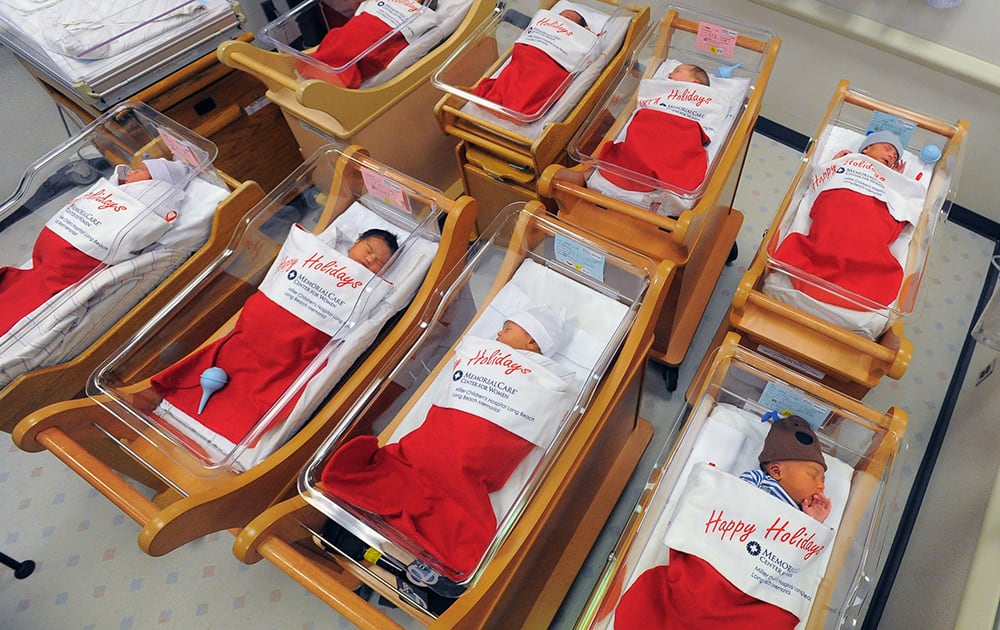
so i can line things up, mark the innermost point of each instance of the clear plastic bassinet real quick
(332, 194)
(723, 428)
(298, 32)
(468, 64)
(522, 259)
(933, 152)
(737, 59)
(95, 247)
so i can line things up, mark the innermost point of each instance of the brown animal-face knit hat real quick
(791, 438)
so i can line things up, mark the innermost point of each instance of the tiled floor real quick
(91, 573)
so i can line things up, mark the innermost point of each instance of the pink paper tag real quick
(382, 187)
(181, 149)
(716, 39)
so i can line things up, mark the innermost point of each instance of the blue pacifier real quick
(930, 154)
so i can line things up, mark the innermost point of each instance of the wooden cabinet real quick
(226, 106)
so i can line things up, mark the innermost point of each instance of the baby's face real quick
(138, 174)
(800, 479)
(372, 252)
(883, 152)
(684, 72)
(516, 337)
(572, 16)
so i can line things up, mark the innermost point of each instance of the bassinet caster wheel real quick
(670, 373)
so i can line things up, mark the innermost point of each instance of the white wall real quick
(812, 60)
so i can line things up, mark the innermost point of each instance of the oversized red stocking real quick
(267, 348)
(434, 484)
(689, 593)
(526, 83)
(55, 265)
(847, 245)
(340, 45)
(661, 146)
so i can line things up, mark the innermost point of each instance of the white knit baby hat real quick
(544, 325)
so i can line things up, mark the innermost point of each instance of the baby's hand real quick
(841, 154)
(817, 506)
(900, 166)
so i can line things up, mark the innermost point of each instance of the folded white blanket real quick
(88, 29)
(32, 29)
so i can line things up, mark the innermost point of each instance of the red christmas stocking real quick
(434, 484)
(661, 146)
(526, 83)
(265, 351)
(341, 45)
(55, 265)
(847, 245)
(688, 593)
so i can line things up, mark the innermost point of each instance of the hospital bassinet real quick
(100, 54)
(553, 507)
(848, 349)
(723, 427)
(56, 346)
(500, 158)
(203, 480)
(696, 228)
(373, 115)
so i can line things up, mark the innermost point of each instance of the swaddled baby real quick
(502, 398)
(373, 21)
(302, 304)
(540, 62)
(859, 204)
(106, 225)
(691, 592)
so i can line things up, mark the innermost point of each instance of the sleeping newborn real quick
(859, 205)
(540, 62)
(498, 400)
(373, 21)
(106, 225)
(306, 300)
